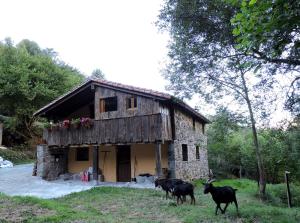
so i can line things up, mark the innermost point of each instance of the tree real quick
(230, 148)
(98, 74)
(223, 157)
(29, 79)
(269, 30)
(205, 60)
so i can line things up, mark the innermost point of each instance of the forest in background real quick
(231, 154)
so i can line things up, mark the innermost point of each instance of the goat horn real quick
(210, 181)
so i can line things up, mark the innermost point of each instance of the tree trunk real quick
(261, 170)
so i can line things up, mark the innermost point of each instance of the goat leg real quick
(181, 199)
(193, 200)
(236, 205)
(218, 207)
(177, 199)
(223, 212)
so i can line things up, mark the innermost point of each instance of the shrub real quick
(277, 194)
(17, 156)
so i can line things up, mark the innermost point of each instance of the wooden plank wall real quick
(136, 129)
(145, 106)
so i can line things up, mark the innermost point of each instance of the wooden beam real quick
(172, 115)
(95, 162)
(171, 160)
(158, 159)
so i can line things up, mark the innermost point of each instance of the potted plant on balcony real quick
(75, 123)
(86, 122)
(66, 124)
(48, 126)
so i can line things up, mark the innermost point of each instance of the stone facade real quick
(51, 162)
(189, 132)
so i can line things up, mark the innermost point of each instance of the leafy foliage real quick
(17, 155)
(269, 30)
(230, 148)
(30, 77)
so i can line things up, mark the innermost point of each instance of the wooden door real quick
(123, 164)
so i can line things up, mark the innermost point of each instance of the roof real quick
(125, 88)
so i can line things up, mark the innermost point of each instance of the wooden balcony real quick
(137, 129)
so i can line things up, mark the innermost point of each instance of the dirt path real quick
(19, 181)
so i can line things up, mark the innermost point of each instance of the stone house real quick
(124, 131)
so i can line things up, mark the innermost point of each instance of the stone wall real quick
(191, 136)
(51, 162)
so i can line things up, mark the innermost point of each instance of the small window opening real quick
(184, 152)
(203, 128)
(108, 104)
(197, 153)
(82, 154)
(56, 157)
(131, 103)
(194, 124)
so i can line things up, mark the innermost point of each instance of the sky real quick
(119, 37)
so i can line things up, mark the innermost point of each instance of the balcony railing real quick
(136, 129)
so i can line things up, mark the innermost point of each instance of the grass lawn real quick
(107, 204)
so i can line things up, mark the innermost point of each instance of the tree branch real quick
(275, 60)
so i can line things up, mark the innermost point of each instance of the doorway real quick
(123, 164)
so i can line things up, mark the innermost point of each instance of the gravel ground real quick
(18, 180)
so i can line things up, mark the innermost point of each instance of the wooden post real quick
(171, 160)
(66, 159)
(158, 159)
(95, 162)
(286, 174)
(1, 132)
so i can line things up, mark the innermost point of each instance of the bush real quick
(277, 194)
(17, 156)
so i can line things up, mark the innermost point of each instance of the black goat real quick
(167, 184)
(221, 195)
(181, 190)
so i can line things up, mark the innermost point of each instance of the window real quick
(197, 153)
(131, 103)
(194, 124)
(184, 152)
(56, 157)
(108, 104)
(82, 154)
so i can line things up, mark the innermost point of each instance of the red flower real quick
(66, 123)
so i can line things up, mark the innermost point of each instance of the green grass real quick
(17, 156)
(107, 204)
